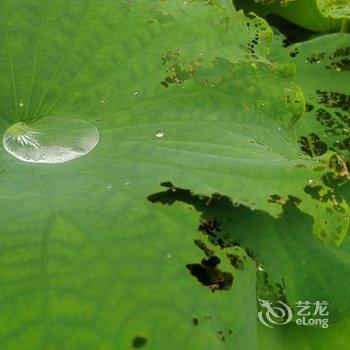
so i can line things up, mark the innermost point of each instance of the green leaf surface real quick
(304, 338)
(85, 257)
(178, 88)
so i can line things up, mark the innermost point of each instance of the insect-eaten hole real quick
(139, 342)
(209, 275)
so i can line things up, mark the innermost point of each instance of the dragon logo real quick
(274, 315)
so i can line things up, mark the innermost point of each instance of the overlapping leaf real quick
(310, 14)
(335, 8)
(323, 74)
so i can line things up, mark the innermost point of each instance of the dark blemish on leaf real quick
(334, 99)
(209, 275)
(315, 57)
(139, 342)
(294, 200)
(308, 107)
(341, 62)
(312, 145)
(195, 321)
(342, 52)
(314, 191)
(206, 250)
(336, 123)
(210, 227)
(337, 164)
(236, 261)
(344, 145)
(294, 53)
(340, 66)
(276, 199)
(213, 230)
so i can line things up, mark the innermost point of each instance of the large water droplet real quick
(51, 140)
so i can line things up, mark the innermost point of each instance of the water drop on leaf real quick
(159, 134)
(51, 140)
(260, 268)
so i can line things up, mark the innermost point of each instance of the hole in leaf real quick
(209, 275)
(139, 342)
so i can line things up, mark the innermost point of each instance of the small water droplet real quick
(50, 140)
(201, 53)
(103, 100)
(159, 134)
(260, 268)
(311, 181)
(126, 183)
(303, 261)
(109, 186)
(21, 104)
(279, 127)
(338, 69)
(136, 93)
(168, 256)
